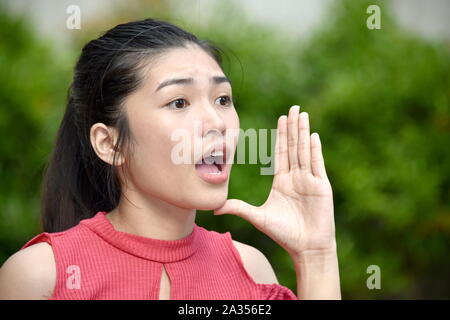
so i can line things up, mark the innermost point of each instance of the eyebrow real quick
(186, 81)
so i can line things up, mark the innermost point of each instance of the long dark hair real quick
(77, 183)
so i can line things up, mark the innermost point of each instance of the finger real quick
(281, 153)
(317, 162)
(292, 137)
(304, 147)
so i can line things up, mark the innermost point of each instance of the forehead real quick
(191, 61)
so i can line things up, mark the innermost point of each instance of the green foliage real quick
(32, 92)
(378, 98)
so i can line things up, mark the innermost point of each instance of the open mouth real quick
(212, 167)
(212, 164)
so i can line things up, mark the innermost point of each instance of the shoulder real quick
(256, 263)
(30, 273)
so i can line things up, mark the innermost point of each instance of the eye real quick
(176, 102)
(225, 99)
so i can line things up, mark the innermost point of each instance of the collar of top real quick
(148, 248)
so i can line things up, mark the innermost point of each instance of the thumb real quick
(237, 207)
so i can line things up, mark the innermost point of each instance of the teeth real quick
(217, 153)
(214, 157)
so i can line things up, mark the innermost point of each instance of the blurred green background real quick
(379, 99)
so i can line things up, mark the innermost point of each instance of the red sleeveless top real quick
(96, 261)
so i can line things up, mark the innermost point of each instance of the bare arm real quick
(256, 263)
(29, 274)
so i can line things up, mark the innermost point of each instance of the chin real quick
(210, 200)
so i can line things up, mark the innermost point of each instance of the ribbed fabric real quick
(96, 261)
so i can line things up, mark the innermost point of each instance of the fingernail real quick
(296, 108)
(317, 137)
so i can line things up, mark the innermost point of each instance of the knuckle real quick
(302, 145)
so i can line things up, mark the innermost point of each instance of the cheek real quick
(155, 175)
(152, 170)
(233, 126)
(232, 120)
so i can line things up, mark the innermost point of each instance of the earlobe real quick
(118, 161)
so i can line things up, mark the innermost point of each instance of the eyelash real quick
(229, 101)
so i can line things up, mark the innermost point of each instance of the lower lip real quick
(214, 178)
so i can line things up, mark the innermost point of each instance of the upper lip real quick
(212, 148)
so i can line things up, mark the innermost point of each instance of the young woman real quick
(119, 214)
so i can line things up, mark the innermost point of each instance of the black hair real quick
(77, 183)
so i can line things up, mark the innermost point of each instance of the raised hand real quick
(299, 213)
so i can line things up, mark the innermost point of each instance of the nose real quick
(213, 121)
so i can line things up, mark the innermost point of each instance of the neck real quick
(152, 218)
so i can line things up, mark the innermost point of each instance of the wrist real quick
(317, 272)
(316, 263)
(325, 250)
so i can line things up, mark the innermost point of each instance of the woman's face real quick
(200, 111)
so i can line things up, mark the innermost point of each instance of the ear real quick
(103, 140)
